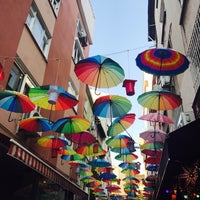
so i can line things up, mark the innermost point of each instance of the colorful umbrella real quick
(78, 163)
(126, 165)
(99, 71)
(121, 150)
(153, 136)
(130, 178)
(162, 61)
(151, 177)
(130, 172)
(99, 163)
(72, 157)
(156, 117)
(119, 141)
(84, 137)
(110, 106)
(94, 149)
(120, 124)
(88, 179)
(36, 124)
(152, 146)
(126, 157)
(52, 97)
(15, 102)
(51, 141)
(66, 150)
(71, 124)
(159, 100)
(93, 184)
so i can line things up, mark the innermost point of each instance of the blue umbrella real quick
(152, 167)
(107, 176)
(99, 163)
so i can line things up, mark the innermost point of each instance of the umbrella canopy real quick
(72, 157)
(152, 167)
(152, 146)
(156, 117)
(71, 124)
(153, 136)
(78, 163)
(130, 172)
(112, 187)
(152, 152)
(83, 137)
(120, 124)
(162, 61)
(94, 149)
(36, 124)
(66, 150)
(159, 100)
(130, 178)
(88, 179)
(52, 97)
(51, 141)
(126, 157)
(93, 184)
(119, 141)
(110, 106)
(15, 102)
(151, 177)
(121, 150)
(133, 165)
(99, 71)
(152, 160)
(107, 176)
(99, 163)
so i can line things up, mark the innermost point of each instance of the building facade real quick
(41, 41)
(175, 25)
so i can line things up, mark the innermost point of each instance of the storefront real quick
(25, 176)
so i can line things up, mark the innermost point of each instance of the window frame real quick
(35, 22)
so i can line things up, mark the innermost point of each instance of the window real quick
(77, 54)
(55, 5)
(82, 36)
(38, 29)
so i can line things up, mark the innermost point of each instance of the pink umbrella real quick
(153, 135)
(156, 117)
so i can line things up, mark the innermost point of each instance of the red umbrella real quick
(152, 160)
(150, 152)
(112, 187)
(84, 137)
(156, 117)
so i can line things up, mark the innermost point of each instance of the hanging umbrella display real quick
(120, 124)
(159, 100)
(88, 179)
(94, 149)
(83, 137)
(99, 163)
(107, 176)
(130, 178)
(121, 150)
(93, 184)
(153, 136)
(15, 102)
(99, 71)
(126, 157)
(119, 141)
(156, 117)
(52, 97)
(110, 106)
(71, 124)
(36, 124)
(162, 61)
(151, 178)
(85, 172)
(127, 165)
(130, 172)
(53, 142)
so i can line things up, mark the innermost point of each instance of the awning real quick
(20, 153)
(181, 148)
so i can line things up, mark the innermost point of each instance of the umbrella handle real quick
(95, 91)
(9, 118)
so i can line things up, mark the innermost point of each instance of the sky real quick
(121, 33)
